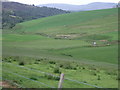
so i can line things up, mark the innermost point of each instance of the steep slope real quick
(14, 12)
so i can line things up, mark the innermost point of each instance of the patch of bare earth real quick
(6, 84)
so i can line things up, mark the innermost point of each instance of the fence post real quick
(61, 81)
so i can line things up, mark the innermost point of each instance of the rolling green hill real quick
(70, 32)
(74, 24)
(64, 43)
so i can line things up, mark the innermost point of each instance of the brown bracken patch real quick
(6, 84)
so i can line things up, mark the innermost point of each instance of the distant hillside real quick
(91, 6)
(14, 12)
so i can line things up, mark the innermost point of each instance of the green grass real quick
(83, 75)
(105, 54)
(98, 21)
(39, 46)
(113, 34)
(21, 38)
(65, 39)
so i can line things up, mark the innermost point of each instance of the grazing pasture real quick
(63, 44)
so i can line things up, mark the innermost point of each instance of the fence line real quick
(34, 70)
(29, 79)
(57, 76)
(82, 83)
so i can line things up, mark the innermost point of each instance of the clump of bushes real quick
(94, 73)
(41, 59)
(57, 70)
(52, 62)
(83, 67)
(36, 62)
(85, 81)
(7, 59)
(98, 77)
(33, 78)
(21, 63)
(111, 73)
(48, 76)
(68, 65)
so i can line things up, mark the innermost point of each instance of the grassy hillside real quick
(65, 41)
(75, 31)
(74, 24)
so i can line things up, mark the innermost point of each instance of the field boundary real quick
(29, 79)
(55, 76)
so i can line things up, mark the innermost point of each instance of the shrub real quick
(111, 73)
(61, 65)
(38, 59)
(57, 78)
(57, 70)
(4, 58)
(94, 73)
(75, 68)
(22, 63)
(33, 78)
(65, 65)
(14, 60)
(52, 62)
(68, 65)
(9, 61)
(85, 81)
(48, 76)
(36, 62)
(98, 77)
(83, 67)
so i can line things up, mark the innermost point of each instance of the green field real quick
(68, 39)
